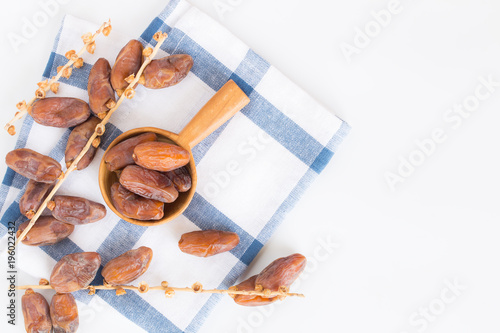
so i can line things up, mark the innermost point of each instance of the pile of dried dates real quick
(151, 174)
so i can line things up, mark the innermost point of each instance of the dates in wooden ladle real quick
(160, 156)
(121, 155)
(134, 206)
(33, 165)
(128, 266)
(59, 111)
(148, 183)
(36, 312)
(75, 271)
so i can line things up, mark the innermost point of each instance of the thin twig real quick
(44, 86)
(99, 130)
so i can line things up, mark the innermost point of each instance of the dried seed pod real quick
(148, 183)
(128, 61)
(36, 312)
(206, 243)
(250, 300)
(160, 156)
(128, 266)
(281, 272)
(64, 313)
(33, 197)
(134, 206)
(77, 211)
(167, 71)
(99, 87)
(181, 179)
(59, 111)
(33, 165)
(121, 155)
(75, 271)
(46, 231)
(77, 140)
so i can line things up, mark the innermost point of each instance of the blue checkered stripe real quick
(124, 235)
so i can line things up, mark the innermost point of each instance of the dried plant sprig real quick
(74, 59)
(99, 131)
(196, 288)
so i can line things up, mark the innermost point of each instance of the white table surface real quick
(393, 254)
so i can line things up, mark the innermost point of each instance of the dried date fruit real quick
(181, 179)
(206, 243)
(75, 210)
(167, 71)
(33, 165)
(59, 111)
(160, 156)
(75, 271)
(101, 94)
(128, 62)
(64, 313)
(281, 272)
(250, 300)
(148, 183)
(77, 140)
(36, 312)
(46, 231)
(33, 197)
(121, 155)
(128, 266)
(134, 206)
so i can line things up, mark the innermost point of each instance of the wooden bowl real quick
(220, 108)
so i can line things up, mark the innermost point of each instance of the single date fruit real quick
(99, 88)
(46, 231)
(167, 71)
(64, 313)
(128, 62)
(250, 300)
(128, 266)
(160, 156)
(77, 140)
(121, 155)
(134, 206)
(75, 210)
(33, 165)
(148, 183)
(181, 179)
(36, 312)
(206, 243)
(281, 273)
(59, 111)
(75, 271)
(33, 197)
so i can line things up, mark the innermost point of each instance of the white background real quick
(393, 250)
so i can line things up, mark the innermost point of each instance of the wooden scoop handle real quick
(219, 109)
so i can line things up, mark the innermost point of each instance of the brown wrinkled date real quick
(121, 155)
(59, 111)
(99, 87)
(181, 179)
(250, 300)
(134, 206)
(75, 271)
(36, 312)
(77, 140)
(128, 266)
(64, 313)
(33, 165)
(128, 62)
(148, 183)
(167, 71)
(206, 243)
(46, 231)
(281, 272)
(75, 210)
(33, 197)
(160, 156)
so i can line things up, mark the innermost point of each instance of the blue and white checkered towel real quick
(251, 171)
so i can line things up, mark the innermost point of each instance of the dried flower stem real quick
(99, 130)
(197, 288)
(65, 70)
